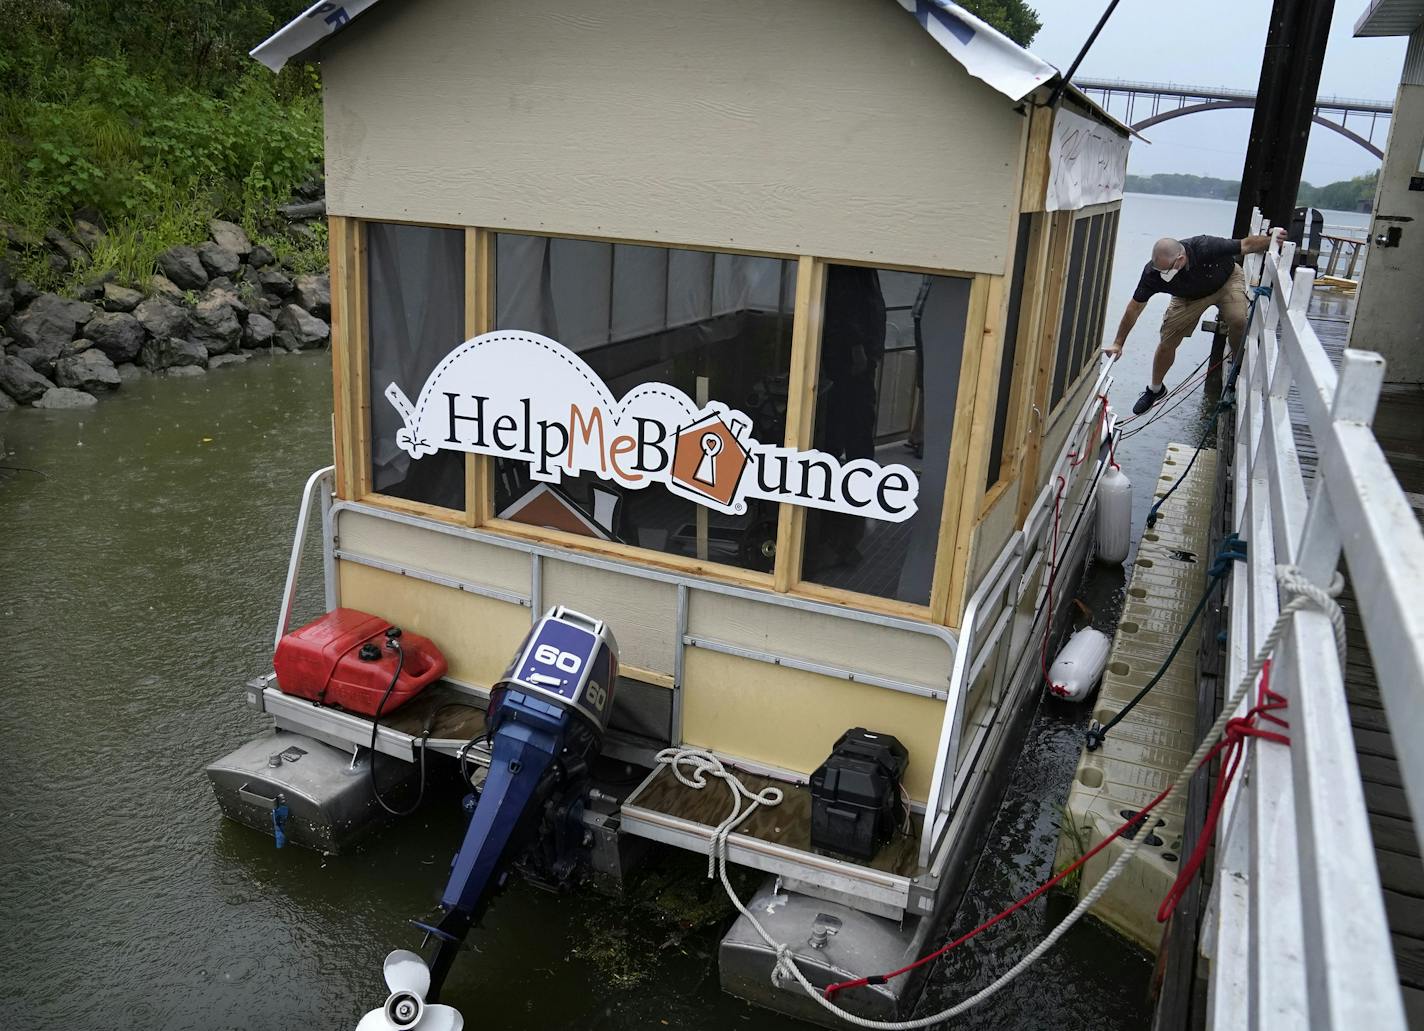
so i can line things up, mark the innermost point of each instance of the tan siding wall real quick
(641, 613)
(433, 552)
(830, 127)
(790, 718)
(477, 635)
(993, 532)
(866, 647)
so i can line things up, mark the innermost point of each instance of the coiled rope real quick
(1301, 593)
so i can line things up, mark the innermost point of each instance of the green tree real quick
(1014, 18)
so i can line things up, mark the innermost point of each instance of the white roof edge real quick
(983, 51)
(306, 30)
(1390, 18)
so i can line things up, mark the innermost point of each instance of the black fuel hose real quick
(393, 643)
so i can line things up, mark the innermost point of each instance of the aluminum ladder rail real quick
(1295, 928)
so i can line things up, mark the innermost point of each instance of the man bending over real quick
(1198, 272)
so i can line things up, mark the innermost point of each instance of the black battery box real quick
(855, 794)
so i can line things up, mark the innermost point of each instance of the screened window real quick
(867, 312)
(716, 326)
(1084, 298)
(1072, 291)
(416, 315)
(1011, 342)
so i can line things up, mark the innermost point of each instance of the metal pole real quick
(1280, 126)
(1092, 37)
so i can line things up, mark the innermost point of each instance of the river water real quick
(141, 564)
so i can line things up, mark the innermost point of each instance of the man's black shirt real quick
(1209, 263)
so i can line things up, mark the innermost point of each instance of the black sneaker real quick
(1149, 398)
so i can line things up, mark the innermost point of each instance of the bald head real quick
(1165, 252)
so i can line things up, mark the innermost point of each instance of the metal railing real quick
(1296, 929)
(994, 609)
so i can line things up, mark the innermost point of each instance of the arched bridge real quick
(1145, 104)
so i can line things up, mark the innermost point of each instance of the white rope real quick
(1301, 592)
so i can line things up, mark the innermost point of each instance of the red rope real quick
(1233, 744)
(1232, 741)
(1076, 459)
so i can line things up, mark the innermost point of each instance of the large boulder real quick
(129, 373)
(94, 289)
(185, 370)
(7, 404)
(88, 234)
(218, 361)
(214, 324)
(230, 236)
(276, 284)
(314, 294)
(218, 260)
(171, 352)
(298, 330)
(118, 334)
(26, 293)
(303, 210)
(260, 257)
(227, 295)
(161, 318)
(20, 381)
(91, 371)
(258, 332)
(66, 397)
(162, 286)
(41, 361)
(63, 245)
(182, 265)
(121, 298)
(50, 322)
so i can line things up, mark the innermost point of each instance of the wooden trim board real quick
(800, 410)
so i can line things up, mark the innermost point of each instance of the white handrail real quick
(1297, 932)
(320, 478)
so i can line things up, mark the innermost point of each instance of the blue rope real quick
(1232, 550)
(1228, 399)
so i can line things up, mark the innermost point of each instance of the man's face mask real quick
(1170, 271)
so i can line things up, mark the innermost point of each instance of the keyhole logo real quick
(707, 467)
(709, 459)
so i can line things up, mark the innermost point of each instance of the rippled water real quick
(139, 580)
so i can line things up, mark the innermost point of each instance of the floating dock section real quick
(1144, 753)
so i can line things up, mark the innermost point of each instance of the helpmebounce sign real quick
(524, 397)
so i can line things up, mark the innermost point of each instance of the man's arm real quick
(1259, 243)
(1129, 319)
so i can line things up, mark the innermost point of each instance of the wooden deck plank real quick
(787, 824)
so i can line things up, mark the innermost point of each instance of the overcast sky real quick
(1219, 43)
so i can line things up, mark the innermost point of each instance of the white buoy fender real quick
(1079, 665)
(1114, 516)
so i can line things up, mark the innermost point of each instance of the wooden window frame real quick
(967, 460)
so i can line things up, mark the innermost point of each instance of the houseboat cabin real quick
(767, 335)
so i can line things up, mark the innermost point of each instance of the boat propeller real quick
(405, 1009)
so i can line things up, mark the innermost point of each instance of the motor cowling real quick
(568, 659)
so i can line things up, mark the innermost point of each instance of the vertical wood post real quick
(800, 410)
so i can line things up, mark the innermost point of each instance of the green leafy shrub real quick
(172, 126)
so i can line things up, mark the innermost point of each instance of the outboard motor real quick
(546, 721)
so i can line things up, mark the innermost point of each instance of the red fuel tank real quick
(323, 661)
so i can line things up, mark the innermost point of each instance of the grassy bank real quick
(148, 118)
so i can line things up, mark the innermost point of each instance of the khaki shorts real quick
(1182, 315)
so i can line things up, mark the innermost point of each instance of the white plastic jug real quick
(1114, 516)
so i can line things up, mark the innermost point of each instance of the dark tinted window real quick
(416, 316)
(868, 314)
(1011, 340)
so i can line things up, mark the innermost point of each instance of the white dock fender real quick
(1114, 516)
(1079, 665)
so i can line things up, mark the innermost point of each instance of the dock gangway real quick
(1295, 932)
